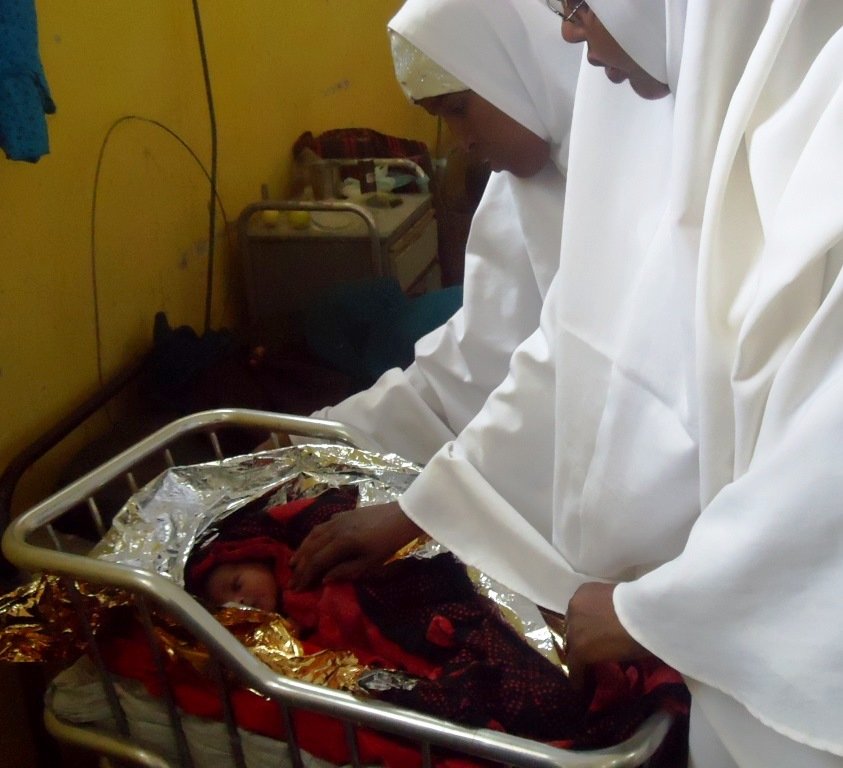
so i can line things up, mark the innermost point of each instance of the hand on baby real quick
(595, 633)
(350, 544)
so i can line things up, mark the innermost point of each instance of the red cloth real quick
(322, 736)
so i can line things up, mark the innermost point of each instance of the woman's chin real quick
(617, 76)
(649, 88)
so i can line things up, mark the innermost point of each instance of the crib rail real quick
(32, 543)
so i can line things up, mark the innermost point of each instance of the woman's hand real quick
(351, 543)
(594, 633)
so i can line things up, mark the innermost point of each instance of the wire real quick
(106, 138)
(212, 202)
(213, 177)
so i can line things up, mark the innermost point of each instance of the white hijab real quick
(508, 52)
(753, 605)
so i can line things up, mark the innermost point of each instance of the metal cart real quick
(32, 543)
(287, 266)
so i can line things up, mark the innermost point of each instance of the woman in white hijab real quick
(750, 609)
(697, 425)
(695, 439)
(740, 596)
(495, 71)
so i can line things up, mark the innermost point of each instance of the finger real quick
(308, 570)
(317, 539)
(306, 565)
(346, 571)
(581, 677)
(303, 577)
(576, 673)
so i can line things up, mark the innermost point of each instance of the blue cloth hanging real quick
(24, 93)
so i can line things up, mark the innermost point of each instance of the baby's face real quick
(252, 584)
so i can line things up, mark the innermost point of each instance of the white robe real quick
(691, 447)
(751, 608)
(510, 54)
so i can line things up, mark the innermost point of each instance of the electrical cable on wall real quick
(210, 175)
(213, 177)
(100, 157)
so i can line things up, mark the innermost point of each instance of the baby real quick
(245, 561)
(250, 583)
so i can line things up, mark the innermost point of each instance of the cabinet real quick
(287, 269)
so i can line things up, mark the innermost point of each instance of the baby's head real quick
(240, 571)
(249, 582)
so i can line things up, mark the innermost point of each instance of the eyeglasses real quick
(562, 8)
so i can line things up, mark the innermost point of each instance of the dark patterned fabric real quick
(490, 676)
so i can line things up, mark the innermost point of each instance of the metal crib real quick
(33, 544)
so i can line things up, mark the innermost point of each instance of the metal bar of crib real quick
(234, 742)
(106, 680)
(121, 749)
(185, 758)
(16, 468)
(293, 748)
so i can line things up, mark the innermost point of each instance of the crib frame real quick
(33, 545)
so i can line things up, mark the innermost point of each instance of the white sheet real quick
(77, 696)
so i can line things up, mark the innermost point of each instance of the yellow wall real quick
(278, 67)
